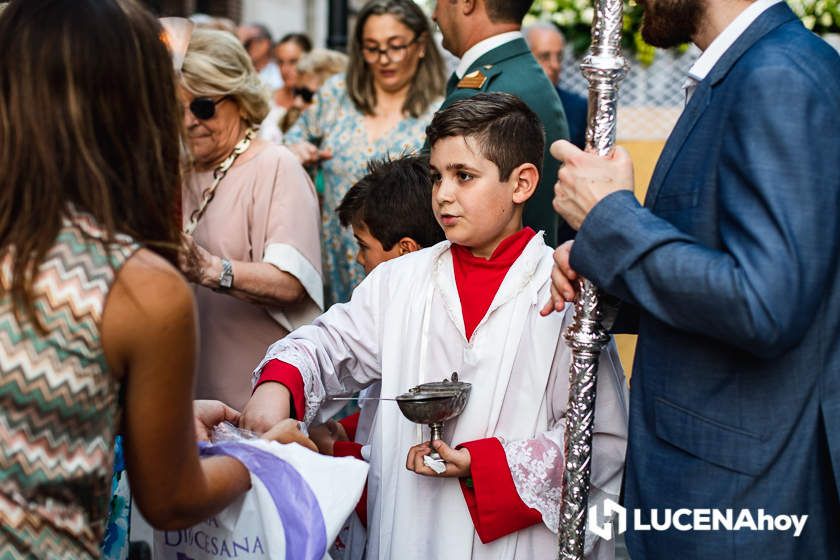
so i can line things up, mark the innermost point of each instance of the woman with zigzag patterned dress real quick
(97, 326)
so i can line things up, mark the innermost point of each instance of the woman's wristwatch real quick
(226, 277)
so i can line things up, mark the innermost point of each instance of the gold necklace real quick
(218, 174)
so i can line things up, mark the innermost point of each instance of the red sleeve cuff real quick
(350, 424)
(289, 376)
(495, 506)
(348, 449)
(353, 449)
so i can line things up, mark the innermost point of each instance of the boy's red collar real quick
(508, 250)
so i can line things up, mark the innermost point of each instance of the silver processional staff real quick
(603, 67)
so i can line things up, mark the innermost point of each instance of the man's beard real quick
(669, 23)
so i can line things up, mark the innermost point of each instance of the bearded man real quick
(729, 274)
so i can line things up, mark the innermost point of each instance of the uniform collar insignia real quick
(473, 80)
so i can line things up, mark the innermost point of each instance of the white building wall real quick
(287, 16)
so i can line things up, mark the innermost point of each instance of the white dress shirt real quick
(703, 65)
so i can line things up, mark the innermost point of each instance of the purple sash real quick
(297, 506)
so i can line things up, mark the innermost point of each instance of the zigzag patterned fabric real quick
(59, 404)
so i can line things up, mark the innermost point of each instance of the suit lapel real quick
(696, 105)
(772, 18)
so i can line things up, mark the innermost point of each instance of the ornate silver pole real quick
(603, 67)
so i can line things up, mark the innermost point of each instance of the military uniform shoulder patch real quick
(473, 80)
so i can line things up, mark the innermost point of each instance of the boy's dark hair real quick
(507, 131)
(507, 11)
(394, 200)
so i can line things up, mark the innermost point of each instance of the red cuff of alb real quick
(494, 504)
(289, 376)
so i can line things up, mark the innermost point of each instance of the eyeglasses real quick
(394, 53)
(204, 108)
(304, 92)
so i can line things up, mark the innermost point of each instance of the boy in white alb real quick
(471, 305)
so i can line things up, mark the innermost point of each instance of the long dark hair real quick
(89, 118)
(426, 85)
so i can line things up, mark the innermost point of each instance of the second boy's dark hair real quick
(507, 131)
(394, 200)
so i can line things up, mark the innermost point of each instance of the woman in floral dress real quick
(393, 85)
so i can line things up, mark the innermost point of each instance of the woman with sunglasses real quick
(313, 69)
(250, 220)
(288, 53)
(393, 85)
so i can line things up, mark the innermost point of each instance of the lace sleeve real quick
(536, 466)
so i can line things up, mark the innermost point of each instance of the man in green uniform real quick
(485, 35)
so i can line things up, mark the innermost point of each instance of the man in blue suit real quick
(730, 274)
(547, 44)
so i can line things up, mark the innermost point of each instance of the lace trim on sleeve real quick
(536, 466)
(297, 354)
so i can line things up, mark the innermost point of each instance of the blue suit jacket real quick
(733, 270)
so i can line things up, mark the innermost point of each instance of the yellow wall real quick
(644, 154)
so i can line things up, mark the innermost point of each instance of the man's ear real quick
(408, 245)
(468, 6)
(527, 178)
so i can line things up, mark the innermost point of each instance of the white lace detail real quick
(297, 354)
(537, 469)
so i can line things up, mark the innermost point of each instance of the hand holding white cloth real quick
(294, 510)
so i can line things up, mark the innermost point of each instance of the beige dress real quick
(265, 210)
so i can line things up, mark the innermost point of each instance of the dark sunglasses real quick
(204, 108)
(304, 92)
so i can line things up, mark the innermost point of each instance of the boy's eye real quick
(464, 176)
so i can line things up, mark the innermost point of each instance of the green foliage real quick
(574, 18)
(820, 16)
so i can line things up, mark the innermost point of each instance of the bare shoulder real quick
(149, 301)
(151, 279)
